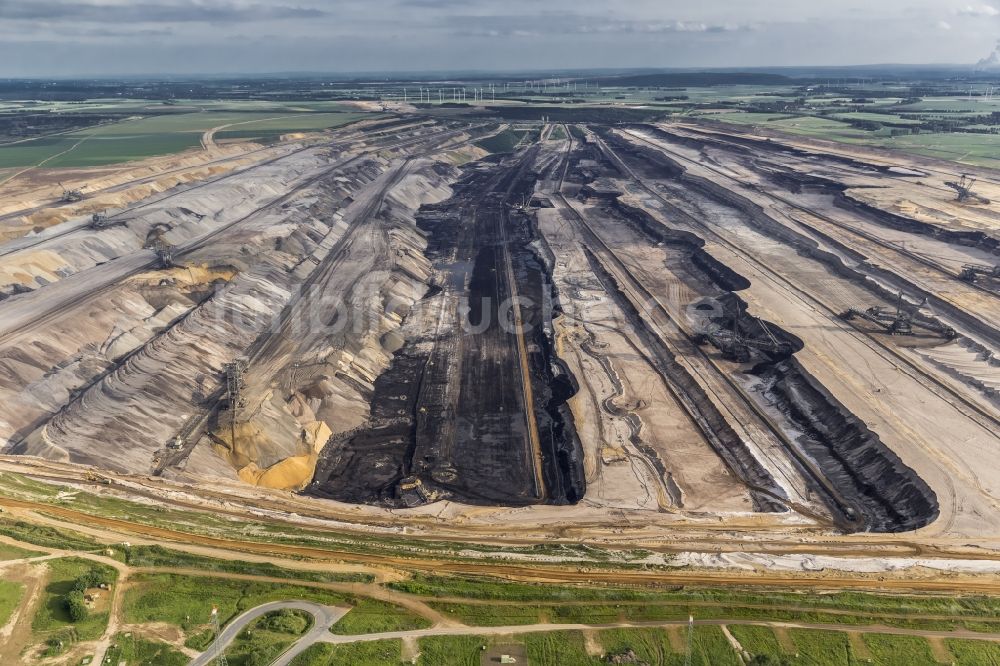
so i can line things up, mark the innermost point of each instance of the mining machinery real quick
(100, 220)
(964, 189)
(234, 383)
(70, 196)
(735, 345)
(164, 254)
(738, 347)
(971, 272)
(899, 322)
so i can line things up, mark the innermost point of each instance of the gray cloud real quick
(176, 11)
(979, 11)
(76, 37)
(576, 24)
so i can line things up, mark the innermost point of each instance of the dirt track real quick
(536, 571)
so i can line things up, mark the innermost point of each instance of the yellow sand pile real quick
(292, 473)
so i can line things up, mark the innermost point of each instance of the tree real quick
(76, 606)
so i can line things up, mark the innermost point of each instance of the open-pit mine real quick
(637, 333)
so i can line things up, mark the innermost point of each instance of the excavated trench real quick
(864, 480)
(448, 416)
(864, 271)
(866, 275)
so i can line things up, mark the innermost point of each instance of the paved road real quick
(323, 618)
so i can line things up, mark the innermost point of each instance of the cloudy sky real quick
(76, 37)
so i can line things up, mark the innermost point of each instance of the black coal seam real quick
(875, 470)
(554, 385)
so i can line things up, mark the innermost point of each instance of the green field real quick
(158, 556)
(187, 601)
(369, 653)
(371, 616)
(9, 552)
(267, 637)
(975, 149)
(755, 640)
(141, 137)
(822, 648)
(10, 597)
(649, 645)
(52, 621)
(876, 117)
(451, 650)
(48, 537)
(135, 651)
(564, 648)
(899, 650)
(976, 653)
(745, 118)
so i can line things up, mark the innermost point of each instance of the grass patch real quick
(371, 616)
(889, 650)
(480, 615)
(650, 645)
(557, 133)
(134, 651)
(977, 149)
(141, 137)
(18, 485)
(8, 552)
(822, 648)
(974, 653)
(368, 653)
(187, 601)
(267, 637)
(158, 556)
(848, 608)
(755, 640)
(53, 621)
(710, 648)
(558, 647)
(48, 537)
(10, 597)
(452, 650)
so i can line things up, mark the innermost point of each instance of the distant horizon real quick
(803, 70)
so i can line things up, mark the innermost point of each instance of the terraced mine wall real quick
(977, 239)
(447, 417)
(799, 182)
(765, 493)
(852, 458)
(862, 274)
(750, 145)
